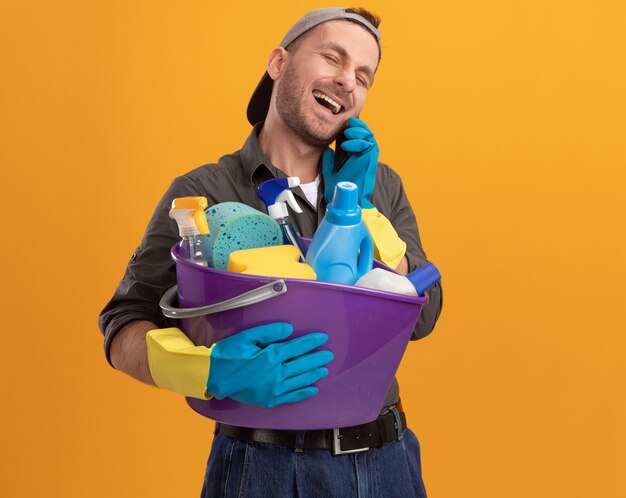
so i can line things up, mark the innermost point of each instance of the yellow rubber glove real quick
(389, 248)
(177, 364)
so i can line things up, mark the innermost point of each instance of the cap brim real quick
(259, 104)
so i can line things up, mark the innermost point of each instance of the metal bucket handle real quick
(258, 295)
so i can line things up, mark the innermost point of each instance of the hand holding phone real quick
(355, 159)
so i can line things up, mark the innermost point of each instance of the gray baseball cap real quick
(260, 101)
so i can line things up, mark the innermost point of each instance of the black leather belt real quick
(384, 429)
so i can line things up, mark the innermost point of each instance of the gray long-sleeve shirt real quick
(235, 177)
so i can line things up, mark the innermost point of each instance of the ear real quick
(276, 62)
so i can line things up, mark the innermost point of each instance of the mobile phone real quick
(341, 156)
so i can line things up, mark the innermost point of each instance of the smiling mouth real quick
(326, 101)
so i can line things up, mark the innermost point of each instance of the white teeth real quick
(320, 95)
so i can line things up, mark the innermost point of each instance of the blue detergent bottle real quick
(341, 250)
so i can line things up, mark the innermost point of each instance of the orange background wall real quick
(507, 123)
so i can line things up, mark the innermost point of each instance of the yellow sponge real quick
(273, 261)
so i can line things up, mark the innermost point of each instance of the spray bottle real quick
(276, 195)
(341, 250)
(189, 214)
(415, 283)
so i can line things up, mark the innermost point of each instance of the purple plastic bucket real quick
(368, 331)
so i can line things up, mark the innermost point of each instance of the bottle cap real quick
(344, 209)
(424, 278)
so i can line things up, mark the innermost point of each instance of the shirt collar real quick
(256, 166)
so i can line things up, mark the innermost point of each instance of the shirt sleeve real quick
(399, 211)
(150, 271)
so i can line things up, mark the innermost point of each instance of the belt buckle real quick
(397, 424)
(337, 445)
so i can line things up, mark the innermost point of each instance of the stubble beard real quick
(291, 112)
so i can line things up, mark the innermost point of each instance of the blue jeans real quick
(237, 469)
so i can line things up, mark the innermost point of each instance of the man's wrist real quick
(129, 352)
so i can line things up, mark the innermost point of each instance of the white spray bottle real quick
(189, 214)
(276, 195)
(415, 283)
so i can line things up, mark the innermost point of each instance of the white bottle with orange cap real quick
(189, 214)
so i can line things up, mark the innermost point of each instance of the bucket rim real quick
(262, 279)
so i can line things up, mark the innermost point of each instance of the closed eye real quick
(331, 58)
(363, 81)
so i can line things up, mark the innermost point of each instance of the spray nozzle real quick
(189, 214)
(275, 194)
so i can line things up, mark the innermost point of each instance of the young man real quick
(315, 86)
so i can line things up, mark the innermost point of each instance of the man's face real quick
(334, 62)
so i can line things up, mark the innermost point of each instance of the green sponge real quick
(235, 226)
